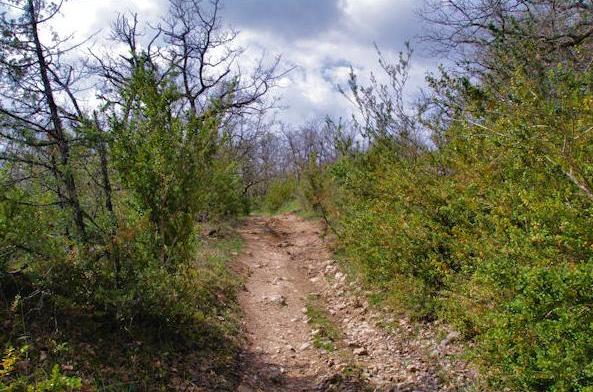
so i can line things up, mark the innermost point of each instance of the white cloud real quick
(322, 56)
(84, 17)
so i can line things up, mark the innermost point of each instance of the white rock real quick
(278, 300)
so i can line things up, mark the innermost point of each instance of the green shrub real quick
(490, 232)
(12, 381)
(280, 192)
(144, 268)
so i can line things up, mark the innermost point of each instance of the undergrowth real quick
(489, 233)
(325, 333)
(78, 346)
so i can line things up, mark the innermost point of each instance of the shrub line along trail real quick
(289, 268)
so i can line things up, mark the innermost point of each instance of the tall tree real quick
(37, 104)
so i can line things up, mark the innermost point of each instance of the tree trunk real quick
(58, 129)
(108, 201)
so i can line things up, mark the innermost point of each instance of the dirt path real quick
(310, 330)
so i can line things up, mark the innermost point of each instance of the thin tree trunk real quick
(104, 170)
(58, 131)
(108, 201)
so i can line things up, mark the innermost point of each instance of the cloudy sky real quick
(320, 38)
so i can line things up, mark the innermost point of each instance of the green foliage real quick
(167, 163)
(491, 231)
(313, 185)
(56, 382)
(280, 192)
(388, 230)
(326, 333)
(223, 193)
(317, 192)
(11, 381)
(143, 267)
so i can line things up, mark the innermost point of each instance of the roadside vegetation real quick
(116, 220)
(473, 205)
(325, 333)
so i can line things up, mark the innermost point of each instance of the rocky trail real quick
(309, 329)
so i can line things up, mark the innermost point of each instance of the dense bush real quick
(280, 192)
(102, 207)
(490, 232)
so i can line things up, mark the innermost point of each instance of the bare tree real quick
(383, 116)
(193, 48)
(470, 28)
(324, 140)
